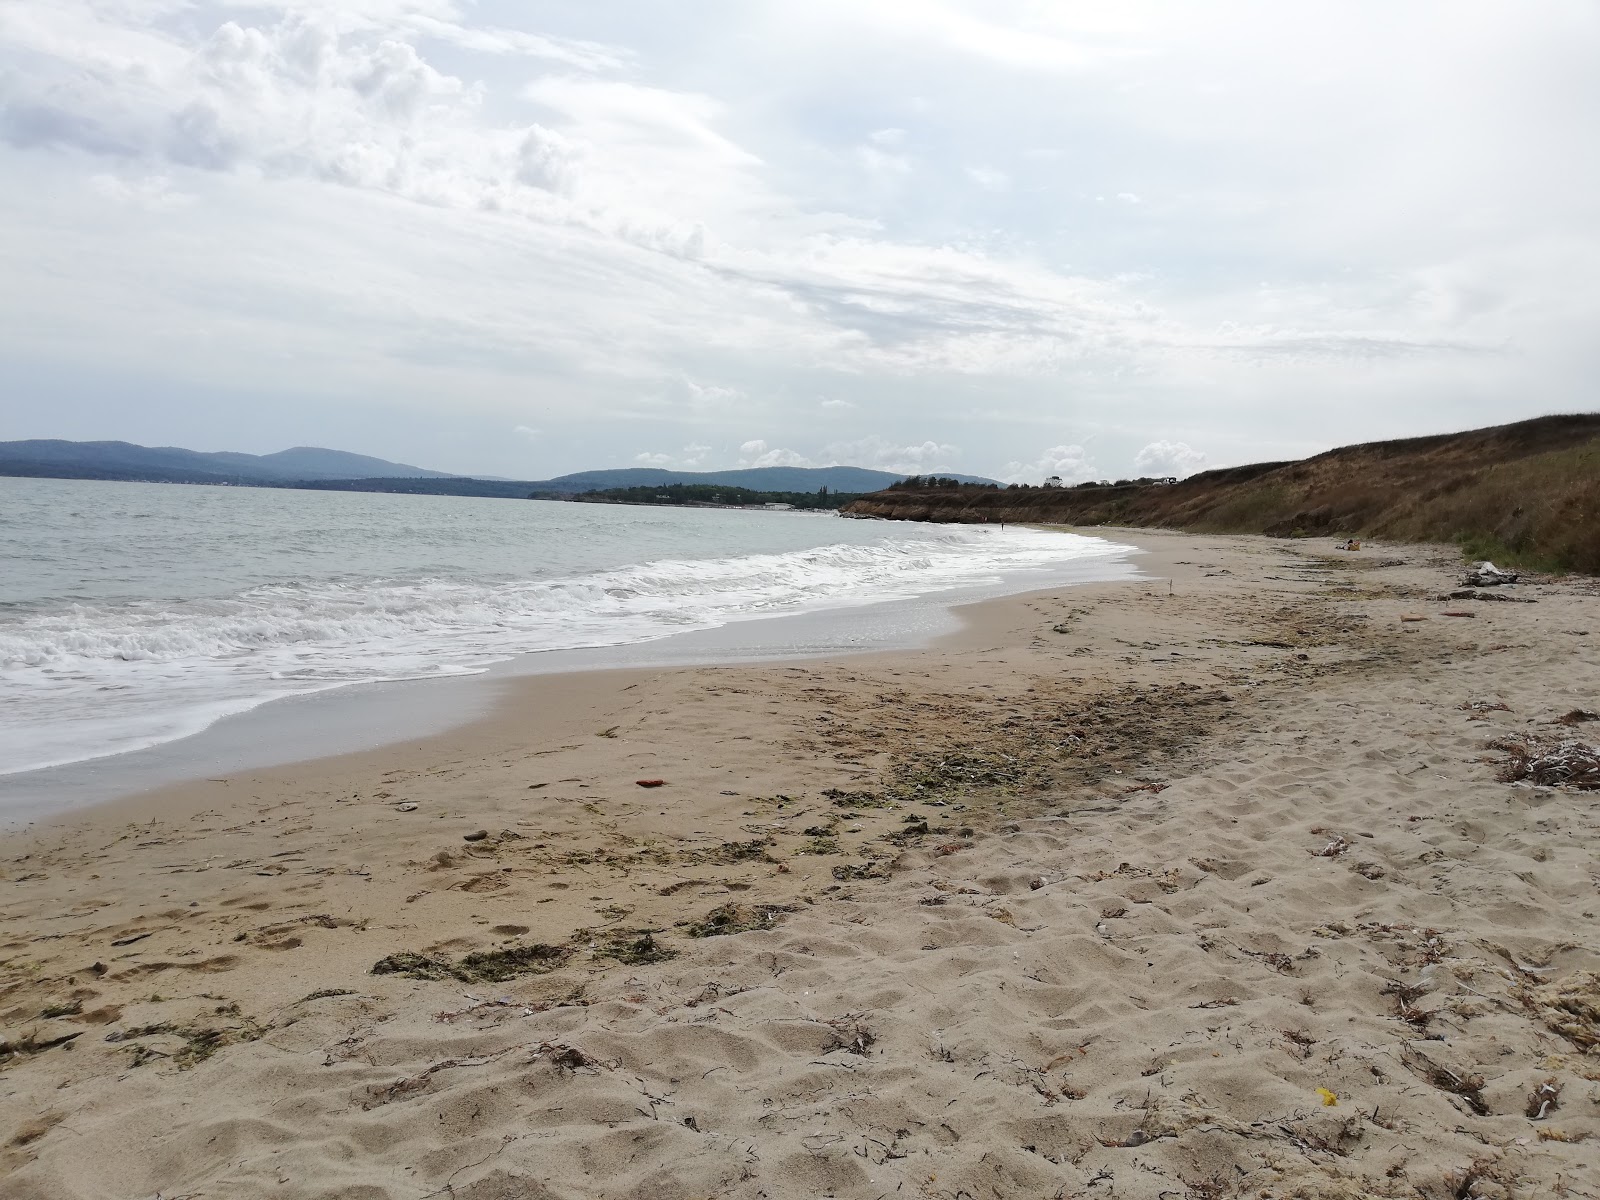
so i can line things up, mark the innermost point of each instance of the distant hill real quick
(337, 470)
(755, 479)
(1526, 494)
(124, 460)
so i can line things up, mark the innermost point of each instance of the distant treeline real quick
(923, 483)
(709, 494)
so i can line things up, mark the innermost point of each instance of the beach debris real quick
(496, 966)
(1486, 574)
(1546, 763)
(1412, 617)
(850, 872)
(1501, 597)
(1468, 1087)
(198, 1042)
(1334, 848)
(475, 836)
(850, 1033)
(1457, 612)
(1569, 1006)
(1329, 1099)
(488, 966)
(31, 1043)
(737, 918)
(1480, 709)
(407, 806)
(1405, 1004)
(650, 783)
(326, 994)
(567, 1058)
(1578, 716)
(636, 947)
(404, 1089)
(1137, 1138)
(1544, 1099)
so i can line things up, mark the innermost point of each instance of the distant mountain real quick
(336, 470)
(124, 460)
(756, 479)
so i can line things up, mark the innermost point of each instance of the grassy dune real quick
(1526, 494)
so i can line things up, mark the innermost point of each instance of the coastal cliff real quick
(1527, 493)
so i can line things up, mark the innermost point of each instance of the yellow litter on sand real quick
(1329, 1100)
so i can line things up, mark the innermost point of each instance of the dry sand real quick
(1124, 891)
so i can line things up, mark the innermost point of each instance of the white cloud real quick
(757, 453)
(1070, 463)
(990, 179)
(691, 458)
(882, 164)
(836, 404)
(1162, 459)
(527, 431)
(884, 455)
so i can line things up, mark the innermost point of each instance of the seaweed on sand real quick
(481, 966)
(1564, 763)
(634, 947)
(736, 918)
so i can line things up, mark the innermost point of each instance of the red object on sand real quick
(650, 782)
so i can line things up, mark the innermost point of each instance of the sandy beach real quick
(1199, 886)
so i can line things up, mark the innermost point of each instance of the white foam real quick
(84, 681)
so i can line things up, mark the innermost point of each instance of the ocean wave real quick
(84, 680)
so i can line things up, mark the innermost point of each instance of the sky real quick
(1012, 238)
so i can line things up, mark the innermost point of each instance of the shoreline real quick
(1109, 883)
(370, 715)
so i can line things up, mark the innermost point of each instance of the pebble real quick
(478, 836)
(406, 807)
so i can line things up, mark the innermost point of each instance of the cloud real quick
(1162, 459)
(836, 404)
(690, 458)
(882, 164)
(527, 432)
(757, 453)
(990, 179)
(882, 454)
(1070, 463)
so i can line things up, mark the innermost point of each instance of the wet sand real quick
(1090, 898)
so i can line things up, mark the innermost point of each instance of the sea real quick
(137, 614)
